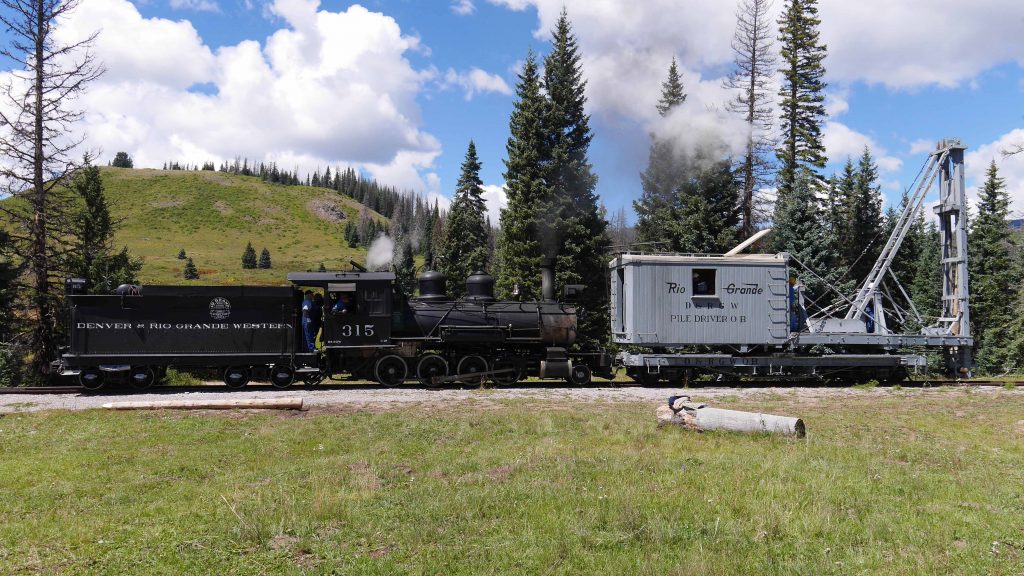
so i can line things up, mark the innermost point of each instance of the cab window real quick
(704, 282)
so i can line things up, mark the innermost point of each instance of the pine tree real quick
(92, 234)
(404, 268)
(752, 80)
(926, 285)
(704, 218)
(993, 274)
(862, 238)
(190, 272)
(662, 178)
(249, 257)
(802, 93)
(8, 276)
(579, 235)
(122, 160)
(264, 262)
(463, 247)
(181, 254)
(519, 248)
(798, 231)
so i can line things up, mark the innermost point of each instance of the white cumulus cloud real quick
(841, 142)
(463, 7)
(476, 81)
(326, 89)
(1011, 169)
(198, 5)
(495, 198)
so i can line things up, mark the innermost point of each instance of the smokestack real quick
(547, 279)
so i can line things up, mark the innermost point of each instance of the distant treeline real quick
(411, 217)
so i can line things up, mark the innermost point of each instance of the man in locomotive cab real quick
(342, 303)
(309, 323)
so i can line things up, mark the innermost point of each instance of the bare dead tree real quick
(1014, 149)
(752, 77)
(36, 117)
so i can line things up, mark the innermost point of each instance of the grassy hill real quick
(212, 215)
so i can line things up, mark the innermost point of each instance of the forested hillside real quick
(213, 215)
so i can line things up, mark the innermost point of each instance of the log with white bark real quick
(700, 417)
(272, 404)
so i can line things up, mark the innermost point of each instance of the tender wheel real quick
(141, 377)
(470, 365)
(390, 371)
(579, 375)
(311, 380)
(236, 376)
(282, 376)
(91, 379)
(431, 366)
(506, 378)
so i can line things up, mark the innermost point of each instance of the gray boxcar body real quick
(665, 301)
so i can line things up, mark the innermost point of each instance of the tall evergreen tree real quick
(802, 94)
(752, 80)
(463, 247)
(249, 257)
(579, 235)
(862, 240)
(519, 247)
(264, 262)
(798, 230)
(92, 233)
(660, 182)
(926, 285)
(704, 216)
(993, 275)
(404, 268)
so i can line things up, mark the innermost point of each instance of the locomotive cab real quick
(357, 306)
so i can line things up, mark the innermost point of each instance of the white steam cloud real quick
(702, 135)
(381, 252)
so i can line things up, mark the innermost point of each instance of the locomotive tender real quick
(250, 332)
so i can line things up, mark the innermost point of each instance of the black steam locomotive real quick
(255, 333)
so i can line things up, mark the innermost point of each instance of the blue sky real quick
(399, 87)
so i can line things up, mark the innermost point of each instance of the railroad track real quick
(374, 386)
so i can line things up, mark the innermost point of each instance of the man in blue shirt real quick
(341, 303)
(309, 323)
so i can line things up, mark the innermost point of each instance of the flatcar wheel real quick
(390, 371)
(470, 365)
(236, 376)
(506, 378)
(91, 379)
(579, 375)
(141, 377)
(282, 376)
(431, 366)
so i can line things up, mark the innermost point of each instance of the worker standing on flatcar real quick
(308, 331)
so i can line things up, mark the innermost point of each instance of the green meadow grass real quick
(212, 215)
(902, 483)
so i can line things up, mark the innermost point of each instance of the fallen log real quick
(699, 416)
(270, 404)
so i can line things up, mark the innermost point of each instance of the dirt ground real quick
(367, 398)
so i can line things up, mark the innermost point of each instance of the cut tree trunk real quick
(700, 417)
